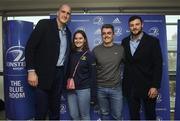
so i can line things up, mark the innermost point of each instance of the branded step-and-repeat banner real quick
(19, 100)
(177, 101)
(153, 24)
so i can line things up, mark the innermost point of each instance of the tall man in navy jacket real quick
(142, 70)
(47, 53)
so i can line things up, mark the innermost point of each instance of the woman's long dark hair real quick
(85, 47)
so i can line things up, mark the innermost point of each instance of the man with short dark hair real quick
(142, 70)
(108, 60)
(47, 55)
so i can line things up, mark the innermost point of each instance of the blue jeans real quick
(79, 104)
(110, 102)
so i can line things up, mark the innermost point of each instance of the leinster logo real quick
(159, 98)
(118, 30)
(154, 31)
(98, 20)
(63, 108)
(15, 58)
(97, 41)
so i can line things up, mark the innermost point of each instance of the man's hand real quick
(153, 93)
(32, 78)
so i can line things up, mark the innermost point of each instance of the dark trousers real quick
(134, 104)
(48, 101)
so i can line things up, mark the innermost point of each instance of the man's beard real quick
(136, 34)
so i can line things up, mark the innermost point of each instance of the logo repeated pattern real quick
(154, 25)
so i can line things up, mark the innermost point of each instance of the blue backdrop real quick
(153, 24)
(177, 101)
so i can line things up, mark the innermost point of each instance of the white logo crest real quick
(118, 30)
(159, 98)
(154, 31)
(16, 52)
(97, 41)
(15, 58)
(98, 20)
(63, 108)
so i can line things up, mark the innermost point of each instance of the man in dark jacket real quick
(142, 70)
(47, 53)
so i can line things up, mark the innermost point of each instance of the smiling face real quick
(107, 36)
(79, 41)
(135, 27)
(63, 14)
